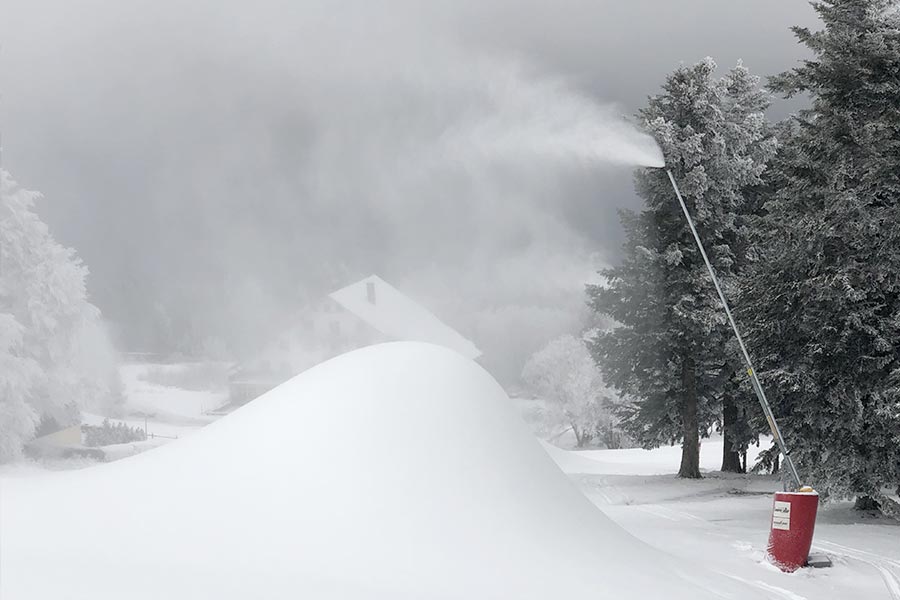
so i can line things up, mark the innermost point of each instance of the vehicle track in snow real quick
(780, 593)
(888, 568)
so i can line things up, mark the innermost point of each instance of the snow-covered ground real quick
(167, 404)
(165, 412)
(401, 471)
(636, 461)
(722, 523)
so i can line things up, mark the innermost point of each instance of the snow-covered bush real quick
(109, 433)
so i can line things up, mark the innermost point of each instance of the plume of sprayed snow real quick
(525, 119)
(249, 153)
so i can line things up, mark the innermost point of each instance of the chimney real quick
(370, 291)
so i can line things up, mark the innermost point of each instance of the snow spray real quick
(520, 119)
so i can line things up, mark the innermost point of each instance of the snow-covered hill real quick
(435, 490)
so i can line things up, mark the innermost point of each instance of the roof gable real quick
(394, 314)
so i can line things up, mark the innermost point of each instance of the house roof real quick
(398, 316)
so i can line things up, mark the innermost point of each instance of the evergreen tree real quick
(825, 294)
(742, 419)
(17, 378)
(670, 352)
(50, 335)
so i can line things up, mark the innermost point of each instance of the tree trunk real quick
(579, 436)
(731, 458)
(690, 447)
(889, 507)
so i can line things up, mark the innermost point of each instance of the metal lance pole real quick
(754, 380)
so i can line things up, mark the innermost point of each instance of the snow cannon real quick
(793, 524)
(793, 513)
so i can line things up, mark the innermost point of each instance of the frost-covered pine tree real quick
(670, 351)
(745, 104)
(825, 294)
(18, 375)
(53, 354)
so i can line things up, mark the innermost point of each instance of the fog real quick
(218, 164)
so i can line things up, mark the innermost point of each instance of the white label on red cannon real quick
(781, 516)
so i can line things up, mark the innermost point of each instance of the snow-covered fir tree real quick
(54, 356)
(670, 350)
(825, 294)
(18, 375)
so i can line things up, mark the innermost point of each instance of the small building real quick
(367, 312)
(394, 316)
(63, 443)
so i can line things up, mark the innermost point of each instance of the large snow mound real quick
(396, 471)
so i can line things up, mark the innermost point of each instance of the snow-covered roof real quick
(396, 315)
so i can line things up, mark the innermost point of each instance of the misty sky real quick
(216, 162)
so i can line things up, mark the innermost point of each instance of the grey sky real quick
(216, 161)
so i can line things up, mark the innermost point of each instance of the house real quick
(367, 312)
(62, 443)
(397, 317)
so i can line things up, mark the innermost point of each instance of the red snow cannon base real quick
(793, 523)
